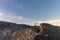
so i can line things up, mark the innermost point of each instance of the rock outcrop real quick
(13, 31)
(48, 32)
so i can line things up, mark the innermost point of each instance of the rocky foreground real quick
(13, 31)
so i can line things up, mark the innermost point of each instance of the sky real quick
(29, 11)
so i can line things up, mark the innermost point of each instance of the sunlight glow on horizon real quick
(53, 22)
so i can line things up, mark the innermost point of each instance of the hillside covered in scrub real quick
(13, 31)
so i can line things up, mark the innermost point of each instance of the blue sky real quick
(29, 11)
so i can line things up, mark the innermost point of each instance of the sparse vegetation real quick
(13, 31)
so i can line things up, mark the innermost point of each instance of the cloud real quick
(6, 16)
(14, 19)
(15, 4)
(23, 20)
(53, 22)
(1, 14)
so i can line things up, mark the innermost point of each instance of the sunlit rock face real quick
(12, 31)
(48, 32)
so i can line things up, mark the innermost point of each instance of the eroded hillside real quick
(13, 31)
